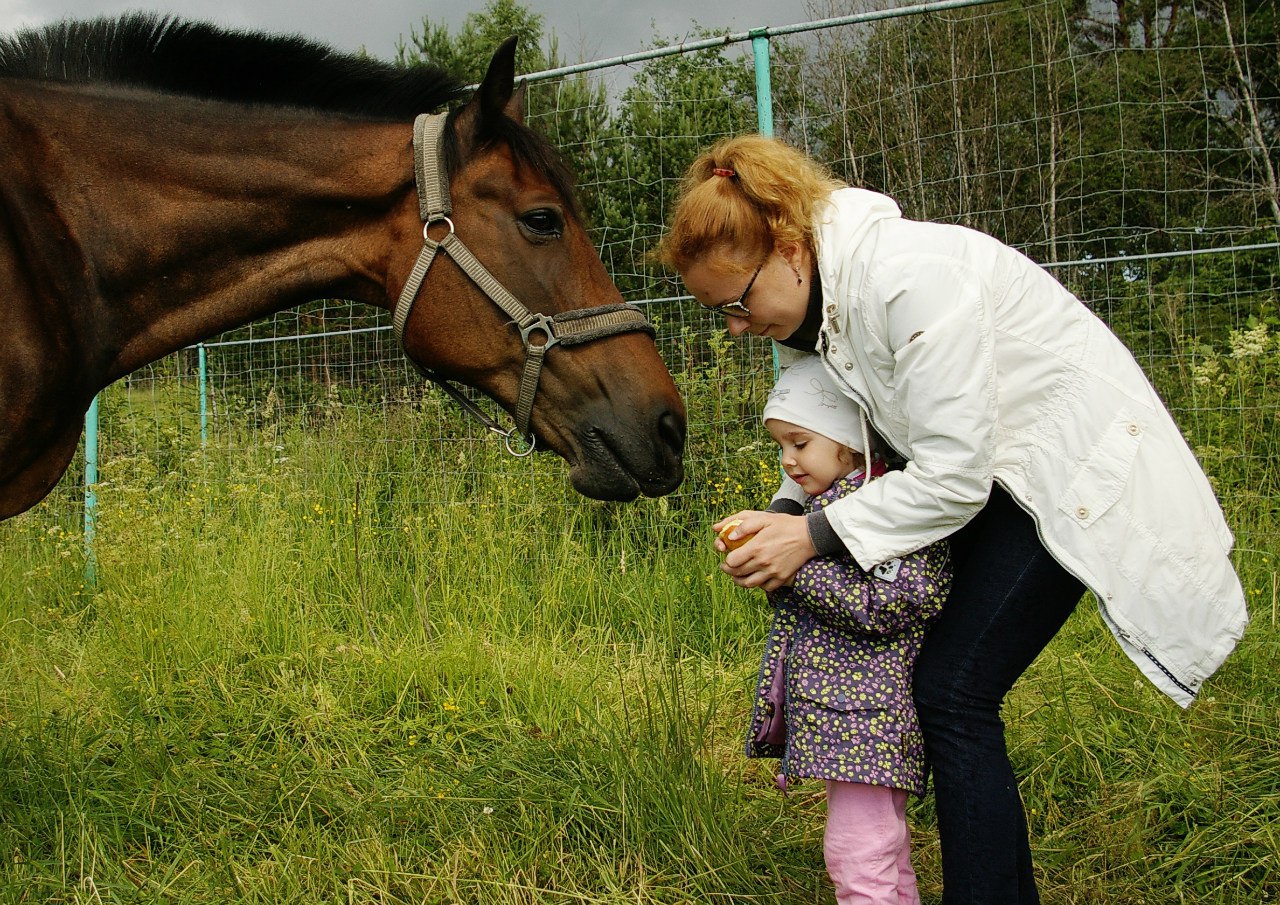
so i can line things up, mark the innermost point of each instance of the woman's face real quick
(777, 298)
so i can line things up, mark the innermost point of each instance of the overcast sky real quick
(587, 29)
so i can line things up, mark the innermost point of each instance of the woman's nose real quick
(738, 326)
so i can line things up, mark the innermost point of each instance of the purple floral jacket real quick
(833, 698)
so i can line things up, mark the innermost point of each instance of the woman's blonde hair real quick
(743, 196)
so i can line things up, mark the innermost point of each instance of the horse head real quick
(607, 406)
(119, 244)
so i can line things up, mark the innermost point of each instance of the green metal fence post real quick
(764, 87)
(764, 107)
(90, 495)
(204, 394)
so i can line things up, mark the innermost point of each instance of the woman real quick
(1031, 437)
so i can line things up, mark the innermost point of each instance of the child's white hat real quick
(807, 396)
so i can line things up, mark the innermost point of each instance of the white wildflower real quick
(1250, 343)
(1208, 371)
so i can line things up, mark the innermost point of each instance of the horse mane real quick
(200, 60)
(197, 59)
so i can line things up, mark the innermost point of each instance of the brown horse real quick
(162, 182)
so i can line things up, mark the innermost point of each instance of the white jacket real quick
(975, 365)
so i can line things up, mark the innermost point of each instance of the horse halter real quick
(569, 328)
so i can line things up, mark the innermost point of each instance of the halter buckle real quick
(547, 325)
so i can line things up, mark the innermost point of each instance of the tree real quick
(572, 112)
(467, 54)
(1250, 107)
(1085, 129)
(952, 114)
(676, 106)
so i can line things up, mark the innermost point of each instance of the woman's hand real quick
(769, 560)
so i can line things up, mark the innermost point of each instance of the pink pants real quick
(868, 845)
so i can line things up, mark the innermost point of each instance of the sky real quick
(586, 29)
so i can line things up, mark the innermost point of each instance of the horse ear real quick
(497, 93)
(515, 106)
(497, 96)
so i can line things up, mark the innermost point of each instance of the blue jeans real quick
(1008, 599)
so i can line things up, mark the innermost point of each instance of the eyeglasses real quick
(738, 308)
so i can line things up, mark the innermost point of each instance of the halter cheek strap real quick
(568, 328)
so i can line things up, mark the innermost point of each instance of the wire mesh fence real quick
(1135, 157)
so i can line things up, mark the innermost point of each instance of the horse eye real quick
(543, 223)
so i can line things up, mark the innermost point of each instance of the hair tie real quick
(723, 171)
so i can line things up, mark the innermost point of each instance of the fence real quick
(1134, 158)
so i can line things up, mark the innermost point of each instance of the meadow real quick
(334, 662)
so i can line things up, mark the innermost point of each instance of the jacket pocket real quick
(835, 722)
(772, 708)
(1100, 480)
(813, 689)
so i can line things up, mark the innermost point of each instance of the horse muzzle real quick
(618, 460)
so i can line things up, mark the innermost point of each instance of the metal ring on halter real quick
(506, 441)
(430, 223)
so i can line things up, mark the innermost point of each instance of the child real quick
(834, 694)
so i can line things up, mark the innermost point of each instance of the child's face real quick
(811, 460)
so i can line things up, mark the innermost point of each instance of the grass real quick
(308, 674)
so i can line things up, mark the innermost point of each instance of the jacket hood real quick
(843, 224)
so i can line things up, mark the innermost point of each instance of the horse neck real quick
(192, 218)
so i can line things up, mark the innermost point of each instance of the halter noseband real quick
(568, 328)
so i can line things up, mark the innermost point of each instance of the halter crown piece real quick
(569, 328)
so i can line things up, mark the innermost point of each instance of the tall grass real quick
(318, 668)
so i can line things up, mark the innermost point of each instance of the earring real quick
(796, 271)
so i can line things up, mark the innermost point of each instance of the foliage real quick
(1236, 395)
(1072, 130)
(467, 54)
(675, 107)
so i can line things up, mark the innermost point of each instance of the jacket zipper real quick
(862, 401)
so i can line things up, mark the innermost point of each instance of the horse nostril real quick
(671, 430)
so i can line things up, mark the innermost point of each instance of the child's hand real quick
(725, 527)
(728, 542)
(774, 547)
